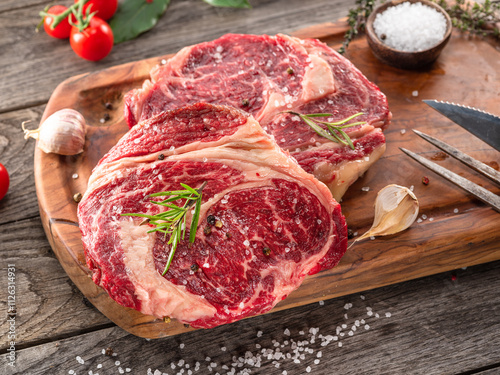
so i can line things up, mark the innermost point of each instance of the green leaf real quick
(173, 221)
(190, 189)
(194, 222)
(319, 115)
(332, 127)
(229, 3)
(163, 193)
(133, 17)
(319, 130)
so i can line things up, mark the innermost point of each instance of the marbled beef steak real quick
(277, 222)
(266, 75)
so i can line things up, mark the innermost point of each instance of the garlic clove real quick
(62, 133)
(396, 209)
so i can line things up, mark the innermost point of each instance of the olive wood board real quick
(454, 230)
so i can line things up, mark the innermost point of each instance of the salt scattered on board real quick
(410, 27)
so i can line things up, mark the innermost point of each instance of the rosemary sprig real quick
(334, 130)
(173, 221)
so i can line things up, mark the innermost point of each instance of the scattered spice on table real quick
(303, 348)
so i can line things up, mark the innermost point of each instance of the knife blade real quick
(478, 191)
(482, 124)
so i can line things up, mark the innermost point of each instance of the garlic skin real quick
(396, 209)
(61, 133)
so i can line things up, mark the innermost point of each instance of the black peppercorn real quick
(194, 267)
(77, 197)
(211, 219)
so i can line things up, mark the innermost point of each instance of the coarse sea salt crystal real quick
(410, 27)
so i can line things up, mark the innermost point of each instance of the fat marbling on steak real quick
(265, 76)
(279, 223)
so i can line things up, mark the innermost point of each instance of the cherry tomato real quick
(4, 181)
(63, 29)
(105, 8)
(95, 42)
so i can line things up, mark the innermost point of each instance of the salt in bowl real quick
(400, 58)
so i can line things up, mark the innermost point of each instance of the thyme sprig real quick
(474, 18)
(471, 17)
(356, 19)
(334, 130)
(173, 221)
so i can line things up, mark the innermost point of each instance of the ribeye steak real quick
(279, 223)
(265, 76)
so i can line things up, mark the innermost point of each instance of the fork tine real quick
(482, 168)
(478, 191)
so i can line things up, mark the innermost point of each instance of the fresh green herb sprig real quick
(356, 19)
(474, 18)
(173, 221)
(334, 130)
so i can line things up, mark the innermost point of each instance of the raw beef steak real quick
(274, 223)
(266, 76)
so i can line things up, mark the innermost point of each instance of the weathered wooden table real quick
(447, 323)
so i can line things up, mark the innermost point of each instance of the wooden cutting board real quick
(454, 230)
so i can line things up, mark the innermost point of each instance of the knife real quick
(483, 125)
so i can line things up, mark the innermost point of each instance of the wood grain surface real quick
(420, 327)
(448, 216)
(444, 324)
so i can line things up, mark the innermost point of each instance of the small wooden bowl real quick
(403, 59)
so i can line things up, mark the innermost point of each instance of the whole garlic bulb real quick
(62, 133)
